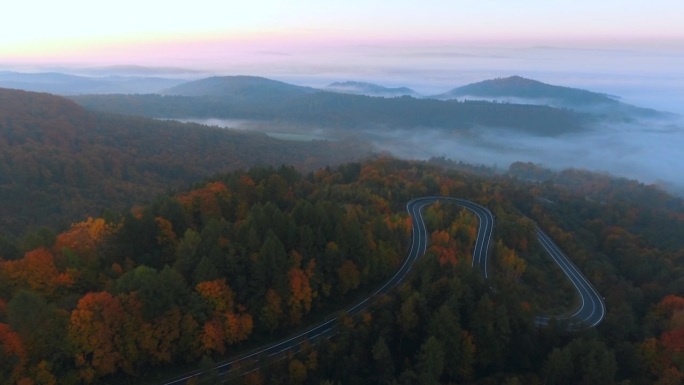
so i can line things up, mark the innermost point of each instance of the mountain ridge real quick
(369, 89)
(240, 85)
(261, 99)
(61, 162)
(68, 84)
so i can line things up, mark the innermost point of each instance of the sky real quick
(431, 45)
(202, 32)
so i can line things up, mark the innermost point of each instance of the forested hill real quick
(239, 87)
(262, 99)
(254, 256)
(527, 88)
(65, 84)
(59, 162)
(517, 89)
(370, 89)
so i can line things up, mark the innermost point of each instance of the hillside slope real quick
(242, 87)
(66, 84)
(59, 162)
(516, 89)
(268, 100)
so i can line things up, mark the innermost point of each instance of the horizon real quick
(627, 49)
(620, 47)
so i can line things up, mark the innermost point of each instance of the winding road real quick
(591, 311)
(592, 308)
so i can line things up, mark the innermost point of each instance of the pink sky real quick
(207, 32)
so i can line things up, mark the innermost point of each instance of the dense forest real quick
(344, 111)
(60, 163)
(247, 257)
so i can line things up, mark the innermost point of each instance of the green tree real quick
(430, 361)
(582, 362)
(187, 256)
(40, 325)
(384, 364)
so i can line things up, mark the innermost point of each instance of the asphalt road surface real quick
(592, 309)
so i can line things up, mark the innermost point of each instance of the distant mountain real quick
(523, 88)
(140, 71)
(60, 163)
(370, 89)
(65, 84)
(334, 111)
(255, 98)
(238, 87)
(516, 89)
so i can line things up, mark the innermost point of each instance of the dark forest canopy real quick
(59, 162)
(343, 111)
(249, 256)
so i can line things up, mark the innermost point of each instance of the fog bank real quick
(650, 154)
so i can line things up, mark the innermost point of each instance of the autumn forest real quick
(173, 265)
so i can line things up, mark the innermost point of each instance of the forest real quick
(60, 163)
(345, 111)
(247, 257)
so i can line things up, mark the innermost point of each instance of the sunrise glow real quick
(205, 31)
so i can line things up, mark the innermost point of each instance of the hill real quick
(269, 100)
(239, 87)
(66, 84)
(60, 162)
(370, 89)
(516, 89)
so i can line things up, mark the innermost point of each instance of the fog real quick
(651, 77)
(645, 76)
(649, 153)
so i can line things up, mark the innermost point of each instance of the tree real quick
(300, 297)
(228, 322)
(512, 265)
(37, 271)
(297, 372)
(430, 361)
(348, 277)
(13, 357)
(85, 237)
(93, 330)
(581, 362)
(159, 291)
(408, 318)
(445, 327)
(41, 327)
(161, 339)
(384, 364)
(217, 294)
(272, 310)
(187, 256)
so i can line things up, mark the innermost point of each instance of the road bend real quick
(590, 312)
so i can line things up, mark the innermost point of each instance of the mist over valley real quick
(491, 122)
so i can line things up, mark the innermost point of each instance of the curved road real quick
(589, 314)
(592, 309)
